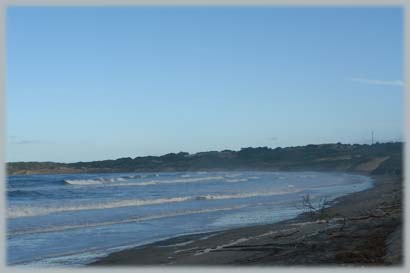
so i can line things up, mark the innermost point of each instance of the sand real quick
(363, 228)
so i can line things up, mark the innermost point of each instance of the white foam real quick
(187, 180)
(83, 182)
(181, 244)
(253, 177)
(19, 211)
(185, 249)
(236, 180)
(233, 175)
(111, 182)
(97, 180)
(27, 211)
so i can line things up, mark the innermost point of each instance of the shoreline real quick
(361, 228)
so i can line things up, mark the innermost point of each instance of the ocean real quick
(73, 219)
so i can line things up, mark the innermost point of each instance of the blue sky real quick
(98, 83)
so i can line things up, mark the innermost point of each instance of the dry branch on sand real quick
(313, 209)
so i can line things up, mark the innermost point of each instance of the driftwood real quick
(315, 210)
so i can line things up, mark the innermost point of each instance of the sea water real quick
(73, 219)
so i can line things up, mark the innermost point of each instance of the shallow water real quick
(75, 218)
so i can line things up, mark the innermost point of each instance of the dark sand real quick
(363, 228)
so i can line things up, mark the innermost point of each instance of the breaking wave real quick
(236, 180)
(26, 211)
(97, 181)
(102, 181)
(16, 212)
(123, 181)
(187, 180)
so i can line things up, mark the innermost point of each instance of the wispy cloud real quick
(377, 82)
(24, 141)
(19, 141)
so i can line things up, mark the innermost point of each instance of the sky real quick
(92, 83)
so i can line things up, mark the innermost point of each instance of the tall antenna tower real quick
(372, 137)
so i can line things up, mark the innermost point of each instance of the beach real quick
(362, 228)
(75, 219)
(204, 135)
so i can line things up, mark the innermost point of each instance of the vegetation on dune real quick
(379, 158)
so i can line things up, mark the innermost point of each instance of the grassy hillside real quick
(379, 158)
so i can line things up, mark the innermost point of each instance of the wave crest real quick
(112, 181)
(96, 181)
(26, 211)
(16, 212)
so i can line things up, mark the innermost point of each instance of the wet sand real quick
(363, 228)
